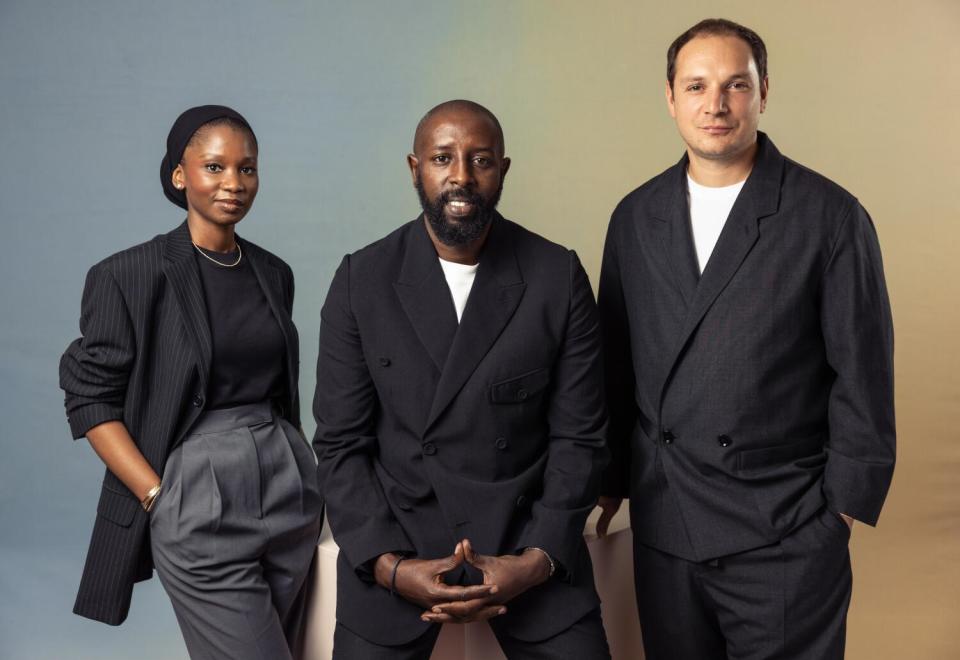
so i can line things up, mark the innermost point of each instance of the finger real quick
(480, 615)
(462, 609)
(447, 564)
(469, 555)
(445, 593)
(489, 613)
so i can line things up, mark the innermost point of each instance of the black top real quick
(248, 347)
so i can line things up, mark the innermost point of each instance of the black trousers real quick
(786, 601)
(584, 640)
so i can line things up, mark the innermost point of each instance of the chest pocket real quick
(520, 388)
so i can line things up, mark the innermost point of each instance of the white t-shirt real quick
(709, 208)
(460, 280)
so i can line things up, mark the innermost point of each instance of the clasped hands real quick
(420, 581)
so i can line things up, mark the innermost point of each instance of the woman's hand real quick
(119, 452)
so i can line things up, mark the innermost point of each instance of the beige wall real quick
(867, 93)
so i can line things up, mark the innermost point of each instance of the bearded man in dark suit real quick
(461, 419)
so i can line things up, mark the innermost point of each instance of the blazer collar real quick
(180, 267)
(759, 197)
(273, 287)
(494, 297)
(456, 349)
(424, 294)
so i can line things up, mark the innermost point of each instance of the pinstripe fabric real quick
(144, 359)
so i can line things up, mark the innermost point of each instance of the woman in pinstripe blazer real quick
(185, 383)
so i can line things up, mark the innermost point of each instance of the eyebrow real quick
(216, 155)
(448, 147)
(738, 74)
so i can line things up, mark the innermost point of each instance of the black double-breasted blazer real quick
(144, 359)
(430, 432)
(744, 400)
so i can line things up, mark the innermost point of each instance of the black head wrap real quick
(180, 133)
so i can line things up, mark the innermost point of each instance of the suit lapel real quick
(676, 234)
(494, 297)
(759, 197)
(180, 268)
(425, 296)
(271, 282)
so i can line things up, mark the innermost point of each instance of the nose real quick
(716, 102)
(232, 181)
(461, 173)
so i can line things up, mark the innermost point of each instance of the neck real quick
(210, 236)
(468, 254)
(718, 173)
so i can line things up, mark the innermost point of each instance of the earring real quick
(179, 186)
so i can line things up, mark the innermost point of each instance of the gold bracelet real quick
(150, 498)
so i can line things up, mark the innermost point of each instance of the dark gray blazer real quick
(744, 400)
(144, 358)
(429, 432)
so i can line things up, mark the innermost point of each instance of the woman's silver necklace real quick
(239, 257)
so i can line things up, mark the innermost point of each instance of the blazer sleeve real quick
(618, 368)
(577, 420)
(858, 336)
(345, 407)
(95, 368)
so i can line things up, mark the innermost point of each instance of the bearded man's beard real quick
(461, 230)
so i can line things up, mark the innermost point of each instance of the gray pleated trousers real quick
(234, 532)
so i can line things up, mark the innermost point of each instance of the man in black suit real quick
(749, 375)
(461, 419)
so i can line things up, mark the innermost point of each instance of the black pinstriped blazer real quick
(144, 358)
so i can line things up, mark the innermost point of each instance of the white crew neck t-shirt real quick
(460, 280)
(709, 209)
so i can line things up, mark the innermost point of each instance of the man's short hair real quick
(718, 27)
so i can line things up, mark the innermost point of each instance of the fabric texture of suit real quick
(144, 359)
(429, 432)
(745, 400)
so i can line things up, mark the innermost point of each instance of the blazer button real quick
(384, 362)
(668, 436)
(724, 440)
(198, 401)
(522, 501)
(500, 443)
(403, 506)
(522, 395)
(429, 448)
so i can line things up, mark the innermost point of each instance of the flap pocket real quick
(520, 388)
(117, 507)
(751, 459)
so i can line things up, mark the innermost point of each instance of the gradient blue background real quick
(865, 92)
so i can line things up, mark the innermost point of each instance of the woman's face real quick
(219, 174)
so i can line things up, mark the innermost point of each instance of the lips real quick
(717, 130)
(459, 207)
(229, 204)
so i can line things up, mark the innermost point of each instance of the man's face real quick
(458, 169)
(717, 97)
